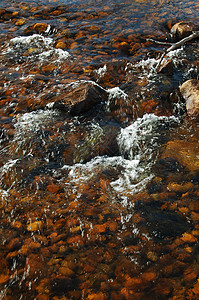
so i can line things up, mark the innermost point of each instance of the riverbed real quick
(99, 160)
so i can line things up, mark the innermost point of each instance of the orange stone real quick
(149, 276)
(42, 297)
(100, 228)
(40, 27)
(186, 152)
(190, 274)
(53, 188)
(182, 188)
(75, 240)
(4, 278)
(35, 226)
(20, 22)
(112, 226)
(195, 216)
(184, 210)
(61, 45)
(66, 271)
(133, 281)
(196, 288)
(17, 225)
(188, 238)
(99, 296)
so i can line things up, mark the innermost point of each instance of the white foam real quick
(33, 121)
(56, 55)
(148, 67)
(5, 168)
(30, 125)
(35, 39)
(77, 83)
(40, 49)
(114, 94)
(138, 145)
(101, 71)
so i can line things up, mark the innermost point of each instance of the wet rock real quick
(109, 74)
(20, 22)
(99, 296)
(37, 28)
(4, 278)
(162, 224)
(163, 288)
(149, 276)
(53, 188)
(181, 188)
(182, 153)
(167, 67)
(183, 29)
(14, 244)
(34, 226)
(65, 271)
(80, 97)
(165, 165)
(35, 266)
(196, 289)
(152, 256)
(99, 141)
(61, 45)
(190, 92)
(195, 216)
(188, 238)
(5, 15)
(62, 285)
(17, 225)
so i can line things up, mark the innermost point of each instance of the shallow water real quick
(98, 203)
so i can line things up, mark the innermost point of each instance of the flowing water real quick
(97, 202)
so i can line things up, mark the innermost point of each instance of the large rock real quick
(190, 92)
(183, 29)
(80, 97)
(185, 152)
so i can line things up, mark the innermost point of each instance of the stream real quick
(98, 198)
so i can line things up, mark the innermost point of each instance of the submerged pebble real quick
(98, 158)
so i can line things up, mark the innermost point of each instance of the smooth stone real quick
(81, 97)
(184, 152)
(183, 29)
(36, 28)
(190, 92)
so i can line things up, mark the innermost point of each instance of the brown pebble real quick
(35, 226)
(20, 22)
(61, 45)
(14, 244)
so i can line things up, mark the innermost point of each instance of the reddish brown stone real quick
(14, 244)
(4, 278)
(53, 188)
(196, 288)
(81, 97)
